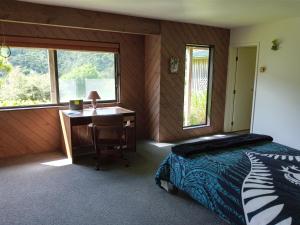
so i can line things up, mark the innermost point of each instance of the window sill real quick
(19, 108)
(196, 127)
(53, 106)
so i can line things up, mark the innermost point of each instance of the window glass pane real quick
(197, 85)
(25, 78)
(81, 72)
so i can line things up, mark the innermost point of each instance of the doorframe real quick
(228, 120)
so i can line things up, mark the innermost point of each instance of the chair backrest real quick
(110, 125)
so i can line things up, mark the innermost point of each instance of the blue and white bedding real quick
(255, 184)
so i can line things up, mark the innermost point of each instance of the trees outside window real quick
(82, 72)
(197, 89)
(25, 77)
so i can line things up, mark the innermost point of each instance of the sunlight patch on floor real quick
(220, 135)
(161, 145)
(205, 138)
(58, 163)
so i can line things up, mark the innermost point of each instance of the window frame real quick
(209, 85)
(117, 83)
(52, 45)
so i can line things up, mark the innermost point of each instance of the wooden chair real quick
(108, 133)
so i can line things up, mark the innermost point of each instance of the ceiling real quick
(222, 13)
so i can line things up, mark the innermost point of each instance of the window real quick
(197, 90)
(25, 78)
(39, 76)
(82, 72)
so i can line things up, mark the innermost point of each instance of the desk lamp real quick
(93, 95)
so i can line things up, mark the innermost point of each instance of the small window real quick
(25, 78)
(197, 90)
(80, 72)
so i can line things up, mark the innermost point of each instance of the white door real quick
(243, 88)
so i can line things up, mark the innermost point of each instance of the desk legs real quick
(66, 135)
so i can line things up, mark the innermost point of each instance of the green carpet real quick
(32, 193)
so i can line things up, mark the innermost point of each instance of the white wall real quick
(277, 105)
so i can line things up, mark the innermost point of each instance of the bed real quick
(247, 179)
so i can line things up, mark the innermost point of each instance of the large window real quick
(82, 72)
(39, 76)
(197, 90)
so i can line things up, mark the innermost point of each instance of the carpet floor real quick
(34, 192)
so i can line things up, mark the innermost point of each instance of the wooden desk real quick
(71, 118)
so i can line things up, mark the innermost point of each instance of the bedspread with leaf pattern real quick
(254, 184)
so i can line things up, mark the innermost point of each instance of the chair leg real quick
(98, 159)
(96, 148)
(125, 159)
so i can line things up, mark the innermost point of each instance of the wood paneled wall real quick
(25, 12)
(29, 131)
(132, 78)
(131, 58)
(146, 85)
(152, 85)
(174, 37)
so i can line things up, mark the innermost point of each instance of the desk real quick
(71, 118)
